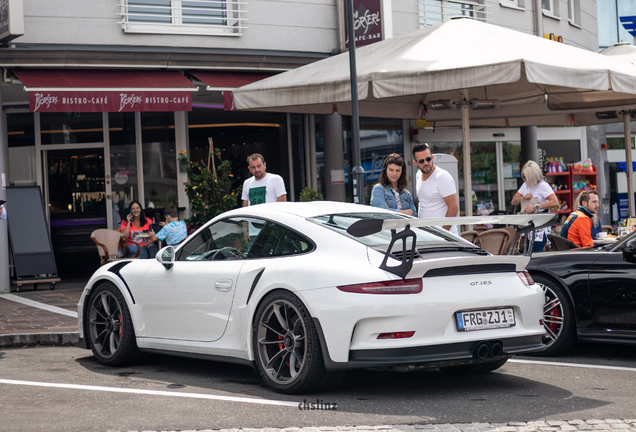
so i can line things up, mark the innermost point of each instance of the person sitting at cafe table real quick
(578, 226)
(173, 230)
(596, 221)
(135, 229)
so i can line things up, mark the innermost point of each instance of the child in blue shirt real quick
(173, 231)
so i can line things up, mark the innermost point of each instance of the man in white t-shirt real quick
(262, 187)
(435, 188)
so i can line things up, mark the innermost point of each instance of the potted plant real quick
(209, 187)
(310, 194)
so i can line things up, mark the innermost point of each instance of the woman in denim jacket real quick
(391, 191)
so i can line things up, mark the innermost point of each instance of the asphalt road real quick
(65, 389)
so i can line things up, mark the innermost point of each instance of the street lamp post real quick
(357, 173)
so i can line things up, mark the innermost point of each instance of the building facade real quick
(91, 96)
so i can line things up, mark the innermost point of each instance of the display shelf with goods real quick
(562, 186)
(582, 179)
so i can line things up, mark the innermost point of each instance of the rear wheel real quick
(110, 328)
(558, 318)
(286, 347)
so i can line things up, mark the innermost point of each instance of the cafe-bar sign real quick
(367, 22)
(109, 101)
(11, 20)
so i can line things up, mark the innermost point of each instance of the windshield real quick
(340, 223)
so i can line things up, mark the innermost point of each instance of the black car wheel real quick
(110, 328)
(287, 351)
(558, 318)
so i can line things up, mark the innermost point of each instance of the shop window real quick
(71, 128)
(21, 143)
(238, 135)
(159, 160)
(123, 163)
(569, 150)
(206, 17)
(378, 139)
(618, 143)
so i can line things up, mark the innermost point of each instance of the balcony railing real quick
(206, 17)
(436, 11)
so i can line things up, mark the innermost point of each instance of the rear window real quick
(340, 223)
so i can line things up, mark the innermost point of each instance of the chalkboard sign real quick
(29, 233)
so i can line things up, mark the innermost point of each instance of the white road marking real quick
(575, 365)
(32, 303)
(152, 392)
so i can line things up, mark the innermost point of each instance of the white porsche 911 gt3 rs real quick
(305, 291)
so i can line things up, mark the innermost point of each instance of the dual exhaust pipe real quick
(485, 350)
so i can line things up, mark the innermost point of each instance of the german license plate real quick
(485, 319)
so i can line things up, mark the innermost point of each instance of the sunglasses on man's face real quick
(426, 159)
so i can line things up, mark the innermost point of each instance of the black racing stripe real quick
(115, 269)
(256, 279)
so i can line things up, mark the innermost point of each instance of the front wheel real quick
(287, 351)
(558, 318)
(110, 328)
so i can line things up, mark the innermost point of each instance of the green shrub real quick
(310, 194)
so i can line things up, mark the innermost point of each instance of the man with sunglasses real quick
(435, 188)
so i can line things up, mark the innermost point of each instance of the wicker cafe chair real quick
(561, 243)
(472, 236)
(494, 241)
(108, 244)
(608, 229)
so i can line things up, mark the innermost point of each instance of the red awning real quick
(228, 81)
(76, 90)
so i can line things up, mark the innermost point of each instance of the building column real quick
(333, 156)
(5, 282)
(529, 146)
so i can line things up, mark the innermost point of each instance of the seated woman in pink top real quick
(135, 229)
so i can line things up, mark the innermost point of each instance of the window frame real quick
(234, 17)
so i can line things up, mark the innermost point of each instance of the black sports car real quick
(590, 294)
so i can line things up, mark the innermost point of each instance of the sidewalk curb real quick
(35, 339)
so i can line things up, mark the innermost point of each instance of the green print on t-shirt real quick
(257, 195)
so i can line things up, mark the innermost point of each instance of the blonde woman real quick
(535, 187)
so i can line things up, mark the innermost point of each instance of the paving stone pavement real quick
(24, 325)
(624, 425)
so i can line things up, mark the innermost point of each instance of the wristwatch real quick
(537, 208)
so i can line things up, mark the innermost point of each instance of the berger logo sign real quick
(128, 100)
(367, 22)
(47, 100)
(109, 101)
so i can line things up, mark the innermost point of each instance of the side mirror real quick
(166, 257)
(629, 251)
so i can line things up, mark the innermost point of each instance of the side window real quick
(276, 240)
(228, 239)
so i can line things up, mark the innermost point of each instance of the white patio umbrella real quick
(627, 53)
(449, 65)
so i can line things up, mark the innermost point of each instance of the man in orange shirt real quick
(578, 226)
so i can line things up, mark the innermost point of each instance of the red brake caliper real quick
(555, 312)
(281, 347)
(120, 326)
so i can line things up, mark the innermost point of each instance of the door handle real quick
(223, 285)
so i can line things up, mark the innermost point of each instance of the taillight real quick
(525, 278)
(409, 286)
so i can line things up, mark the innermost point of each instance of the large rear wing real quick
(523, 224)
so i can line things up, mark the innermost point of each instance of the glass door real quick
(511, 173)
(483, 164)
(77, 206)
